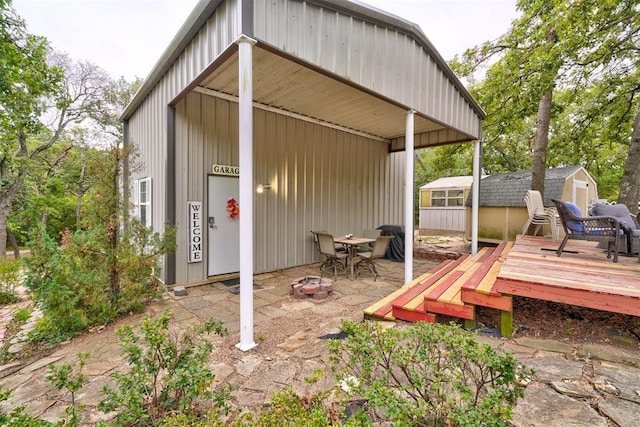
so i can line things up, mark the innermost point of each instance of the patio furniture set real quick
(341, 252)
(604, 223)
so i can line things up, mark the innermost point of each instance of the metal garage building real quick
(314, 99)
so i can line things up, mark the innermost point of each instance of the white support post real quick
(245, 118)
(475, 197)
(408, 199)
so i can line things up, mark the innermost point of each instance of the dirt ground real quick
(543, 319)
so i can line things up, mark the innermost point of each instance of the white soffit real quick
(288, 85)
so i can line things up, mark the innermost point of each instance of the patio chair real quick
(593, 228)
(367, 259)
(369, 234)
(539, 215)
(334, 259)
(628, 223)
(338, 246)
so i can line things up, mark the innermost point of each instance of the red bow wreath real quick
(233, 208)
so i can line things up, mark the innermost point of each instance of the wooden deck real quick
(529, 267)
(584, 276)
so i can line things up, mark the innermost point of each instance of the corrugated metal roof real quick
(508, 189)
(363, 72)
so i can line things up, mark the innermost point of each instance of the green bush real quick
(427, 374)
(73, 280)
(9, 281)
(168, 379)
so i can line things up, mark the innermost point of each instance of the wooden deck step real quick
(383, 309)
(453, 288)
(479, 289)
(411, 304)
(446, 299)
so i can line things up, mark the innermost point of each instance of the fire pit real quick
(315, 287)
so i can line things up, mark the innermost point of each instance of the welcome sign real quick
(194, 210)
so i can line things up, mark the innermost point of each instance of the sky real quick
(127, 37)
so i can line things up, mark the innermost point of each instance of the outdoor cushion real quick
(576, 226)
(619, 211)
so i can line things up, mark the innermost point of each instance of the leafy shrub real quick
(70, 377)
(9, 281)
(73, 282)
(21, 315)
(167, 376)
(427, 374)
(69, 294)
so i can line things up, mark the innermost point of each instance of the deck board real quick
(528, 267)
(583, 277)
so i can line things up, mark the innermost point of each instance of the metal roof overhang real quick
(287, 84)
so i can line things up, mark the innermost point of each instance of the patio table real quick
(352, 247)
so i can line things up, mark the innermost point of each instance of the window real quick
(144, 201)
(442, 198)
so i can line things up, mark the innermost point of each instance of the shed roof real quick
(449, 182)
(508, 189)
(339, 62)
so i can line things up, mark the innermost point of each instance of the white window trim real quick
(455, 195)
(146, 203)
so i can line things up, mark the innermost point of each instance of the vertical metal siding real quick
(379, 58)
(148, 124)
(322, 179)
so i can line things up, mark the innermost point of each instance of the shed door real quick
(224, 232)
(581, 194)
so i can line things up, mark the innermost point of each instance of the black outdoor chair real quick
(592, 228)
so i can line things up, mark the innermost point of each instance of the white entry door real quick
(224, 232)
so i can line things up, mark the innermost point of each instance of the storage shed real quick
(443, 204)
(501, 208)
(319, 103)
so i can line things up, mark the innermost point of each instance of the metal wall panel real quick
(381, 58)
(321, 178)
(148, 125)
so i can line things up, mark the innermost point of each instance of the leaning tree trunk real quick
(541, 142)
(630, 183)
(14, 244)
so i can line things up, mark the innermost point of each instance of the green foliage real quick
(167, 375)
(427, 374)
(288, 409)
(17, 417)
(9, 280)
(100, 271)
(69, 295)
(23, 314)
(586, 52)
(70, 377)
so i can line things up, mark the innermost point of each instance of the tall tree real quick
(26, 79)
(44, 93)
(584, 50)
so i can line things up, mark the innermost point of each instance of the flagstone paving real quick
(575, 384)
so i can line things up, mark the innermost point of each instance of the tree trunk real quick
(83, 158)
(4, 214)
(6, 202)
(630, 184)
(14, 244)
(541, 142)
